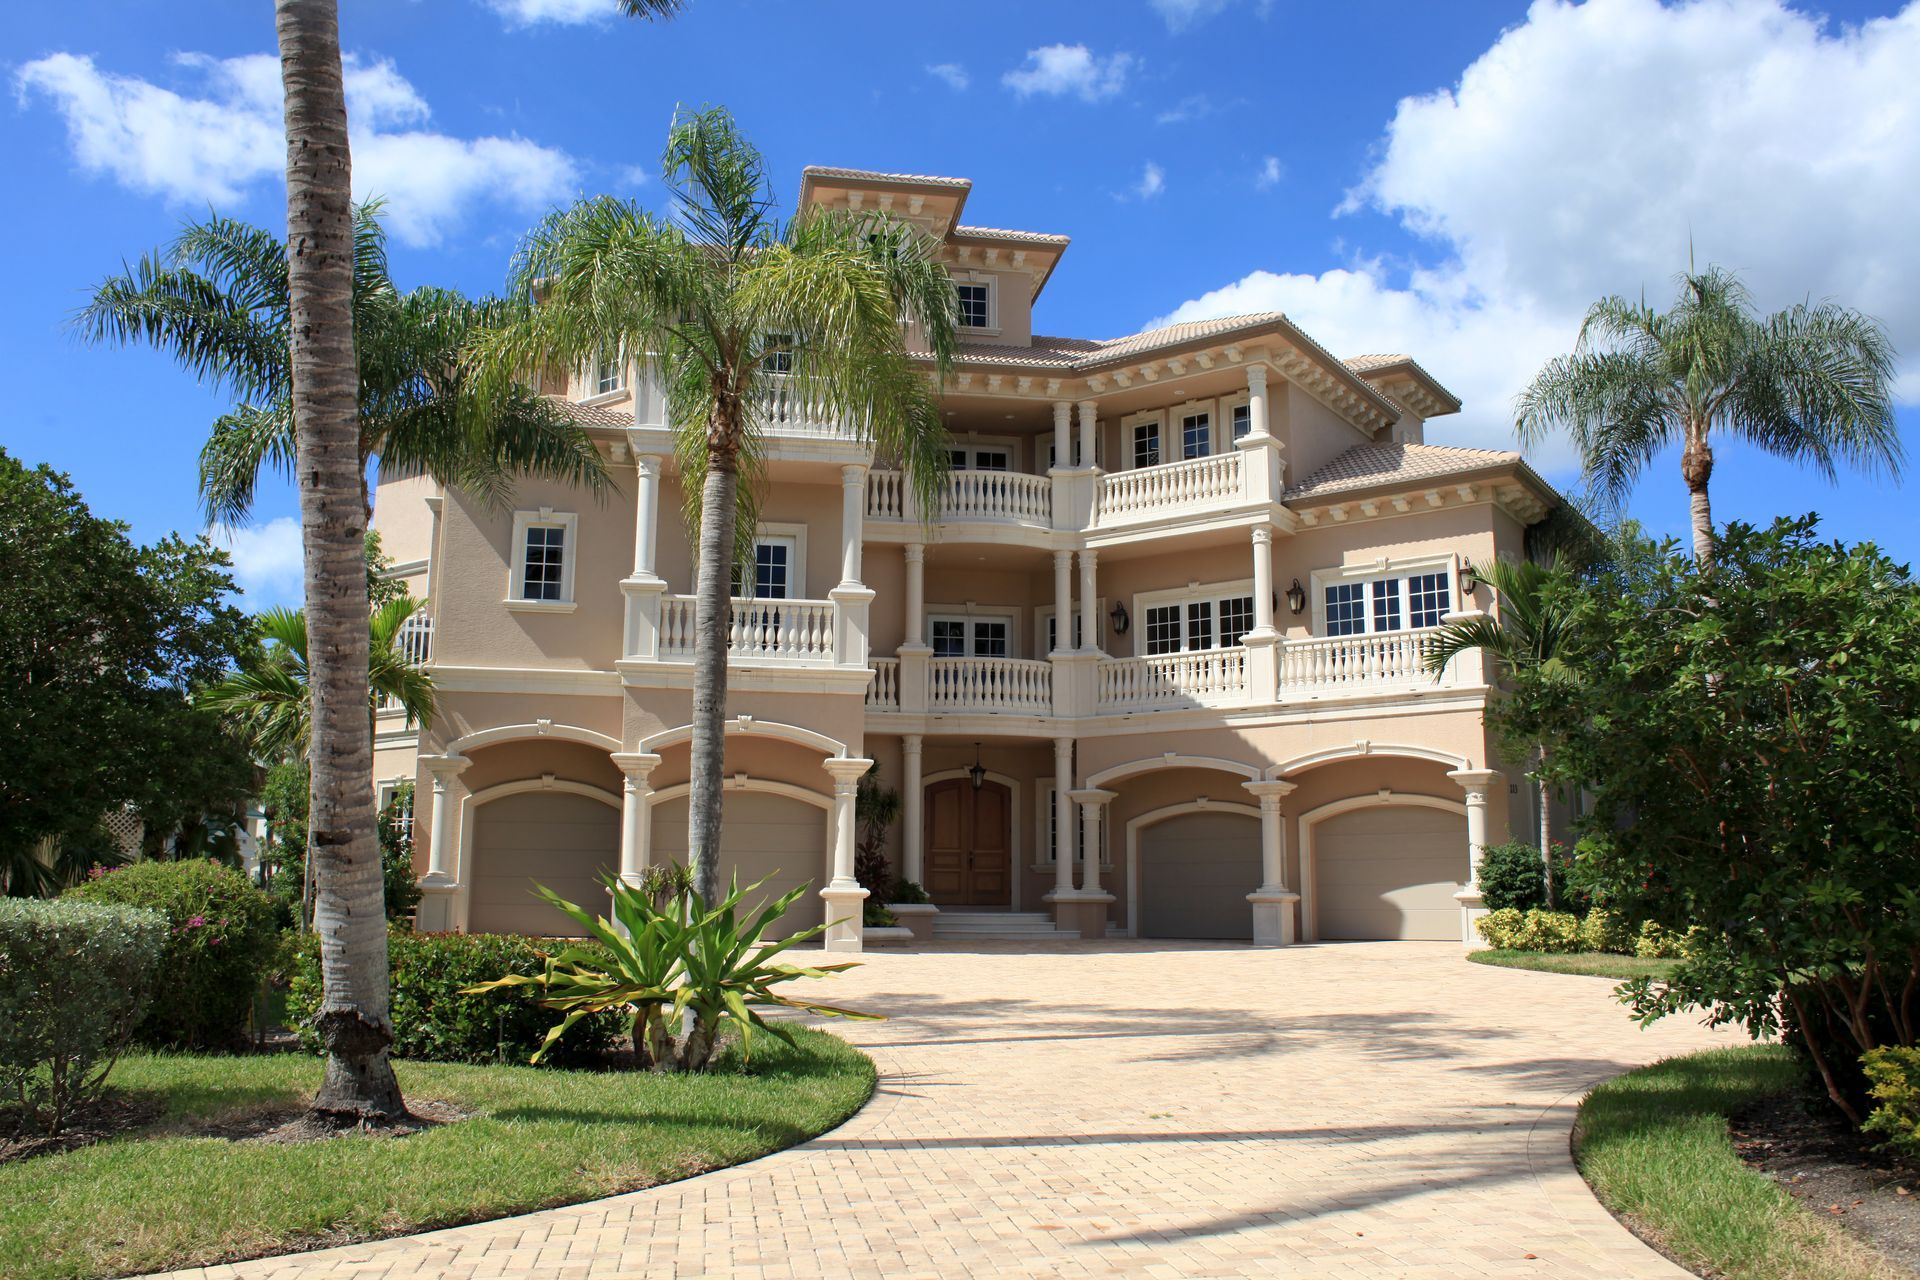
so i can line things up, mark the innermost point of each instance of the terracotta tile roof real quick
(1002, 233)
(595, 415)
(1174, 334)
(1365, 466)
(1362, 364)
(873, 175)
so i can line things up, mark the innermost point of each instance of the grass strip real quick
(1595, 964)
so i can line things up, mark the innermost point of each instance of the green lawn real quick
(1654, 1144)
(541, 1137)
(1597, 964)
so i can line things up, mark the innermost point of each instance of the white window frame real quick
(971, 613)
(545, 517)
(1228, 406)
(797, 568)
(383, 792)
(1178, 416)
(1043, 614)
(1378, 570)
(1155, 418)
(1043, 816)
(971, 445)
(992, 284)
(590, 380)
(1193, 593)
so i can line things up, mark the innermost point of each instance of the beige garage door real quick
(762, 837)
(1390, 872)
(1196, 871)
(565, 841)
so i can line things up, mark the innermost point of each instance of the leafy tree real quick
(1753, 777)
(1811, 384)
(701, 295)
(101, 646)
(875, 809)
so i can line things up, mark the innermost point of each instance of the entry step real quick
(1028, 926)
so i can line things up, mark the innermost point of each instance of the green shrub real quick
(73, 978)
(221, 935)
(1658, 943)
(434, 1020)
(1606, 931)
(1512, 876)
(907, 892)
(1500, 927)
(874, 915)
(1894, 1074)
(1511, 929)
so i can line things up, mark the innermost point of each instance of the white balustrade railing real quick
(1337, 662)
(783, 411)
(884, 693)
(767, 630)
(414, 640)
(1209, 677)
(990, 684)
(1148, 492)
(990, 496)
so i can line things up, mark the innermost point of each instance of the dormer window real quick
(976, 306)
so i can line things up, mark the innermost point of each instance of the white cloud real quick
(268, 561)
(527, 13)
(1271, 171)
(633, 175)
(213, 146)
(1153, 180)
(1579, 155)
(1181, 14)
(1194, 106)
(952, 73)
(1057, 70)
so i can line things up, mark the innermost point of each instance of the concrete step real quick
(1017, 926)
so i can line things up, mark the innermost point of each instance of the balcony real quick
(414, 640)
(1173, 489)
(990, 685)
(973, 497)
(1210, 678)
(1359, 664)
(768, 631)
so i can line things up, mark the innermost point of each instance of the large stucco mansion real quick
(1154, 666)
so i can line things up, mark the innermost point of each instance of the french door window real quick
(980, 458)
(1414, 601)
(1146, 444)
(775, 569)
(1189, 626)
(1196, 435)
(953, 636)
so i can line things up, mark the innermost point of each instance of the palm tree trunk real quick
(1696, 467)
(354, 1024)
(713, 592)
(1546, 830)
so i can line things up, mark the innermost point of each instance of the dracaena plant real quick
(681, 970)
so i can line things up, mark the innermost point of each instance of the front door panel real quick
(969, 844)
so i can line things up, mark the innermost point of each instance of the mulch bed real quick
(1808, 1148)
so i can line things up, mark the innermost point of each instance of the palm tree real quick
(1810, 383)
(218, 300)
(355, 1023)
(1524, 638)
(270, 698)
(702, 296)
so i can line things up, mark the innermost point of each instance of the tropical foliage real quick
(1745, 731)
(1811, 384)
(727, 304)
(680, 965)
(102, 645)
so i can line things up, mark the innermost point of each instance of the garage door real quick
(1390, 872)
(762, 837)
(1196, 871)
(565, 841)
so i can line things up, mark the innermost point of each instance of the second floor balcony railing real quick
(414, 640)
(1176, 488)
(1355, 662)
(980, 496)
(799, 631)
(1207, 678)
(990, 684)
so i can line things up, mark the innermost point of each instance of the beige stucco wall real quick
(1314, 434)
(401, 516)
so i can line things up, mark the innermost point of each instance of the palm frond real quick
(243, 442)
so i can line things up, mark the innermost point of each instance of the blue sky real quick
(1454, 180)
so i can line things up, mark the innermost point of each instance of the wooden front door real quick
(969, 845)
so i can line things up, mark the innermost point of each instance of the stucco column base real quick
(845, 906)
(917, 917)
(1273, 917)
(435, 913)
(1083, 913)
(1472, 908)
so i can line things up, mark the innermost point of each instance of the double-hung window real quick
(1242, 420)
(1198, 619)
(609, 374)
(543, 556)
(969, 636)
(975, 304)
(1196, 435)
(1388, 602)
(1146, 443)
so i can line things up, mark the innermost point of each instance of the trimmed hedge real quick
(73, 977)
(434, 1022)
(221, 934)
(1562, 933)
(1894, 1076)
(1512, 877)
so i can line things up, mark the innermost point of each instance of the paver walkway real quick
(1141, 1109)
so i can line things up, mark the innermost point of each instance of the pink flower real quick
(196, 922)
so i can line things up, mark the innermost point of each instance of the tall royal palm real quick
(218, 300)
(1524, 637)
(701, 296)
(1811, 383)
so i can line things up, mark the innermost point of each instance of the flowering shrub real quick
(220, 935)
(1511, 929)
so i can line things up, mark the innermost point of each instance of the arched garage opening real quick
(1387, 867)
(1191, 868)
(771, 831)
(564, 835)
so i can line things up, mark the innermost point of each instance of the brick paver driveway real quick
(1163, 1110)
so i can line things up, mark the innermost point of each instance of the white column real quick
(1062, 435)
(1474, 782)
(440, 817)
(1065, 839)
(912, 833)
(843, 895)
(636, 814)
(1087, 423)
(1063, 602)
(853, 507)
(1272, 901)
(1263, 579)
(646, 513)
(916, 620)
(1257, 401)
(1091, 801)
(1089, 602)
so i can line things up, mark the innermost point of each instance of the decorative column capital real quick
(1256, 377)
(847, 773)
(1088, 408)
(444, 768)
(1064, 559)
(647, 464)
(1474, 782)
(1092, 799)
(1271, 793)
(1062, 412)
(636, 765)
(853, 473)
(1262, 533)
(914, 552)
(911, 744)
